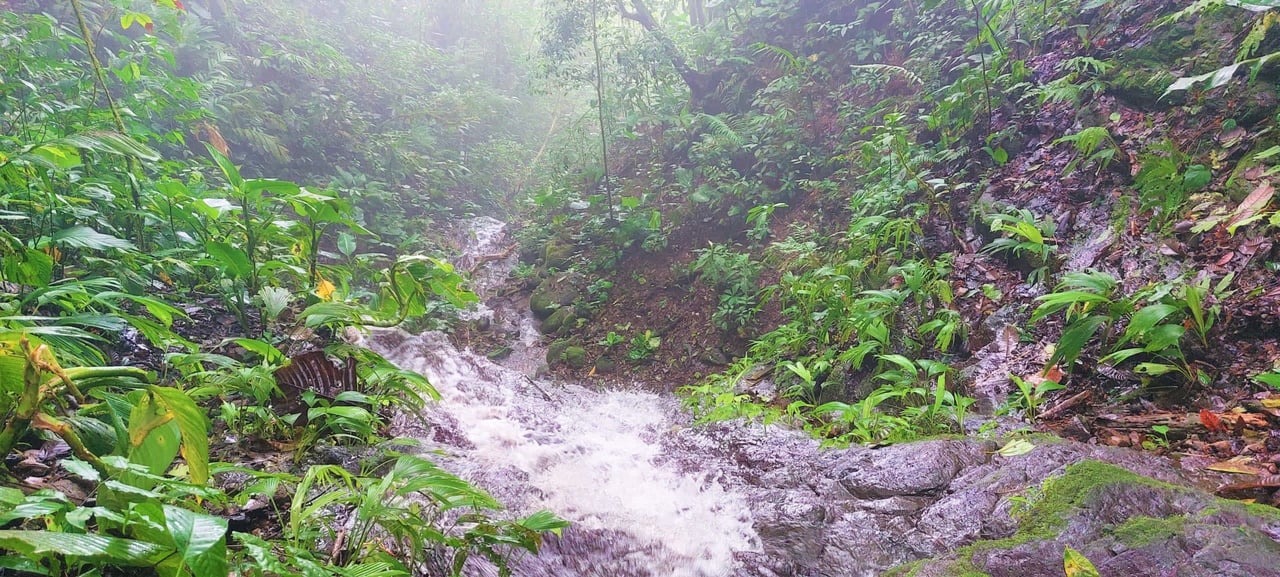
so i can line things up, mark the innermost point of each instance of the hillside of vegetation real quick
(198, 199)
(888, 215)
(876, 222)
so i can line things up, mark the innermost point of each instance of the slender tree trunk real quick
(604, 133)
(101, 78)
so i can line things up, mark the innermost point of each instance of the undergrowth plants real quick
(1156, 318)
(873, 307)
(114, 228)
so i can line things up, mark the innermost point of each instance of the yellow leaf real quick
(1077, 565)
(1236, 465)
(325, 290)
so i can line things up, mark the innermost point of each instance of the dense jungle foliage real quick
(902, 214)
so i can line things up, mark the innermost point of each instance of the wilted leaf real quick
(1250, 207)
(1015, 448)
(1237, 465)
(325, 290)
(1077, 565)
(193, 426)
(1211, 421)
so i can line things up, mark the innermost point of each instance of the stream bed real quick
(650, 493)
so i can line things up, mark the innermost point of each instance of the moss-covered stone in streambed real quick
(563, 318)
(1123, 523)
(565, 352)
(553, 293)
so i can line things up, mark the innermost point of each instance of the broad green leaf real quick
(1164, 337)
(93, 548)
(154, 439)
(1154, 369)
(544, 521)
(228, 168)
(193, 426)
(233, 259)
(1271, 379)
(1074, 339)
(87, 238)
(263, 349)
(199, 540)
(346, 244)
(31, 268)
(1145, 319)
(111, 143)
(278, 187)
(162, 311)
(52, 155)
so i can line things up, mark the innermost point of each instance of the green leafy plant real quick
(1090, 303)
(1031, 397)
(1094, 147)
(1165, 180)
(1025, 236)
(643, 346)
(612, 339)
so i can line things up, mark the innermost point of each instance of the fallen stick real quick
(1064, 405)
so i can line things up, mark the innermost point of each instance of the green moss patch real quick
(1142, 531)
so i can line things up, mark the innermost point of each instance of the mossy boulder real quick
(1125, 524)
(575, 357)
(563, 319)
(555, 352)
(605, 366)
(565, 352)
(557, 254)
(553, 293)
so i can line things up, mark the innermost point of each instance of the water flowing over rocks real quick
(651, 493)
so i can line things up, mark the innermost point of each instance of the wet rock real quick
(557, 254)
(868, 544)
(553, 293)
(563, 319)
(605, 366)
(555, 351)
(909, 469)
(575, 357)
(1124, 523)
(565, 352)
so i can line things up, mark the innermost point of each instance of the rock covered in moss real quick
(565, 352)
(557, 254)
(553, 293)
(576, 357)
(563, 319)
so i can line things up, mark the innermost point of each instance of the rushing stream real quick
(595, 458)
(652, 495)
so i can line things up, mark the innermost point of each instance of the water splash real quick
(596, 458)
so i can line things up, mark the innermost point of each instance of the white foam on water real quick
(592, 457)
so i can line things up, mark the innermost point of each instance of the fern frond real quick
(783, 57)
(722, 131)
(264, 142)
(889, 70)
